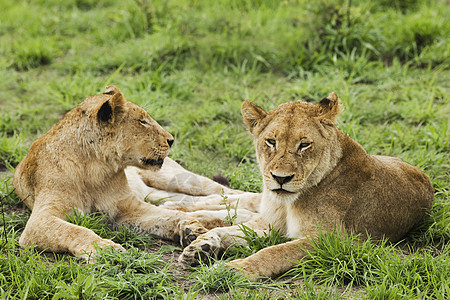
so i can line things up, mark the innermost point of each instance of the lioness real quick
(79, 164)
(315, 175)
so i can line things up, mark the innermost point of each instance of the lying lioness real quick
(316, 176)
(80, 164)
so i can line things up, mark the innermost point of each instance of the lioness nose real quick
(282, 179)
(170, 142)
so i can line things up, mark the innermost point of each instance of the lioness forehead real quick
(93, 103)
(292, 113)
(139, 111)
(296, 108)
(291, 119)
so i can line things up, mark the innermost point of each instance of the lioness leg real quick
(183, 202)
(163, 190)
(165, 223)
(215, 241)
(219, 218)
(268, 262)
(174, 178)
(51, 233)
(273, 260)
(246, 200)
(209, 210)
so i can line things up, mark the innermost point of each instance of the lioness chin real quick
(316, 176)
(79, 165)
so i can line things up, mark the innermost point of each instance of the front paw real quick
(87, 252)
(201, 250)
(108, 243)
(247, 268)
(189, 231)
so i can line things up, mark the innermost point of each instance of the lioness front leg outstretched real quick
(315, 175)
(79, 164)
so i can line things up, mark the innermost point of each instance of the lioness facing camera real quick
(315, 175)
(79, 164)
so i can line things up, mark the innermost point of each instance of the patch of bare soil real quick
(16, 210)
(3, 169)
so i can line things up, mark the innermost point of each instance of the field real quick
(190, 64)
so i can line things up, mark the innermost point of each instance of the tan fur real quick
(315, 175)
(173, 187)
(79, 165)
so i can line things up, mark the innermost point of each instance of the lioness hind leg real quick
(174, 178)
(216, 210)
(212, 211)
(246, 200)
(47, 232)
(219, 218)
(183, 202)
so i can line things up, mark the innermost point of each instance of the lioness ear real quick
(111, 107)
(112, 90)
(252, 114)
(105, 113)
(328, 108)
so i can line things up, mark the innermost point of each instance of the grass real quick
(190, 64)
(254, 243)
(346, 261)
(219, 279)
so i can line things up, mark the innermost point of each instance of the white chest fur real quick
(299, 223)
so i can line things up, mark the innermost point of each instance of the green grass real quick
(254, 243)
(219, 279)
(346, 261)
(191, 64)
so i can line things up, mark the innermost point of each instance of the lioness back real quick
(398, 196)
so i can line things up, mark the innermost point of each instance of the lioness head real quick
(296, 144)
(120, 130)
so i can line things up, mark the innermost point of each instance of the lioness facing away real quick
(315, 175)
(80, 164)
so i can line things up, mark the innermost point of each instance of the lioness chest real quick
(322, 207)
(298, 223)
(293, 219)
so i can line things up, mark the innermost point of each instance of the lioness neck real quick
(346, 157)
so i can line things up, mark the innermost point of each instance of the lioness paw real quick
(248, 269)
(239, 264)
(87, 252)
(201, 250)
(189, 231)
(115, 246)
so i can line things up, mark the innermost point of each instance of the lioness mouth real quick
(282, 191)
(152, 162)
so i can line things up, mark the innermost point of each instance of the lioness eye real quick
(271, 142)
(143, 122)
(303, 146)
